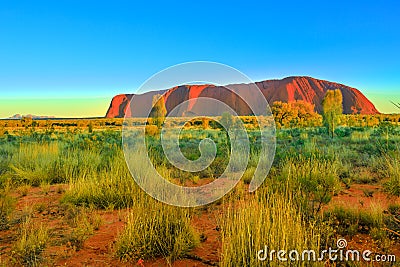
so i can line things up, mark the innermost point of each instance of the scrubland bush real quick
(31, 243)
(7, 205)
(350, 220)
(310, 182)
(272, 222)
(357, 136)
(154, 229)
(111, 187)
(84, 221)
(393, 171)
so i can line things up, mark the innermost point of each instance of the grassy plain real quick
(67, 197)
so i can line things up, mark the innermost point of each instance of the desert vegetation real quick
(67, 196)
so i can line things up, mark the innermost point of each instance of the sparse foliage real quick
(332, 107)
(158, 111)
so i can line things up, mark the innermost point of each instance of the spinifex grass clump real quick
(310, 182)
(109, 188)
(350, 220)
(83, 222)
(393, 171)
(58, 161)
(6, 152)
(31, 243)
(156, 230)
(358, 136)
(272, 221)
(33, 163)
(7, 204)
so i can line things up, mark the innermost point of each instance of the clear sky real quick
(69, 58)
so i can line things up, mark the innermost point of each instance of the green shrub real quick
(83, 222)
(7, 205)
(393, 171)
(31, 243)
(311, 182)
(350, 221)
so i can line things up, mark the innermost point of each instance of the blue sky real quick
(74, 50)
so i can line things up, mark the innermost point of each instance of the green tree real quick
(159, 111)
(332, 109)
(90, 127)
(228, 121)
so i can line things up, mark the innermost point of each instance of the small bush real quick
(156, 230)
(310, 181)
(272, 221)
(350, 221)
(84, 222)
(40, 207)
(360, 136)
(109, 188)
(31, 243)
(7, 205)
(343, 131)
(393, 169)
(23, 190)
(248, 175)
(45, 186)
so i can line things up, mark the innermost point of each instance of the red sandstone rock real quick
(286, 90)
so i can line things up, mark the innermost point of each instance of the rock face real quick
(286, 90)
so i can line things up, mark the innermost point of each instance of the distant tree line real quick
(295, 114)
(299, 114)
(61, 123)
